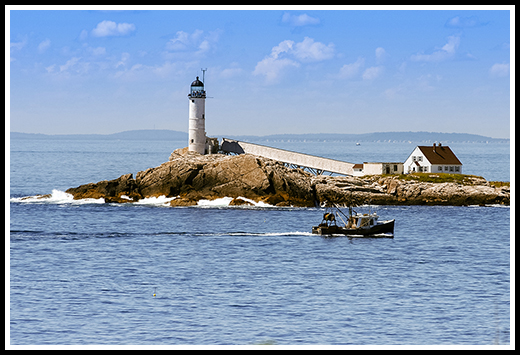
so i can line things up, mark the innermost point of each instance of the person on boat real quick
(328, 218)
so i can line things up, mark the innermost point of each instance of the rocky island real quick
(191, 177)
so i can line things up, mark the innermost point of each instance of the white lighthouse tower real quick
(197, 125)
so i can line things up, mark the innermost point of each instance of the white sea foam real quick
(155, 201)
(61, 197)
(56, 197)
(219, 202)
(256, 204)
(225, 201)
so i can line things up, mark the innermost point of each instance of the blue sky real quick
(285, 70)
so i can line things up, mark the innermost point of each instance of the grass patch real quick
(500, 183)
(463, 179)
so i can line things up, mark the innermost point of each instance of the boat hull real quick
(381, 229)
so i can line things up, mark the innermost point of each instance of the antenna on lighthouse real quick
(203, 72)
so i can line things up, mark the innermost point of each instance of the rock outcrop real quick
(393, 190)
(191, 177)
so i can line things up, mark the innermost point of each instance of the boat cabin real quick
(362, 220)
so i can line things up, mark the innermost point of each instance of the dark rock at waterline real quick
(111, 190)
(191, 177)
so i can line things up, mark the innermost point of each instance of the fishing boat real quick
(357, 225)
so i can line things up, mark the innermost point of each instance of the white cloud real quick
(50, 68)
(452, 45)
(231, 72)
(272, 68)
(133, 73)
(83, 35)
(99, 51)
(299, 20)
(499, 70)
(140, 72)
(283, 47)
(290, 54)
(73, 66)
(124, 59)
(308, 50)
(182, 40)
(110, 28)
(464, 22)
(427, 82)
(372, 73)
(380, 54)
(44, 45)
(18, 45)
(197, 42)
(447, 51)
(349, 71)
(69, 64)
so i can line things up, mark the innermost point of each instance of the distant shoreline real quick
(164, 134)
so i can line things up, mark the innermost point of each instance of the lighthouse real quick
(197, 124)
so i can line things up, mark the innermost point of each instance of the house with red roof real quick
(433, 159)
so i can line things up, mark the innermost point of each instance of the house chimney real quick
(434, 146)
(440, 145)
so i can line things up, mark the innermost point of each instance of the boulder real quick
(111, 190)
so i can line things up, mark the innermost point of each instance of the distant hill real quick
(149, 134)
(426, 137)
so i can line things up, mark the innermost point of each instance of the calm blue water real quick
(83, 272)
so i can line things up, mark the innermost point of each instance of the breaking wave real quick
(56, 197)
(225, 201)
(155, 201)
(61, 197)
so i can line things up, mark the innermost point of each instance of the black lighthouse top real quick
(197, 89)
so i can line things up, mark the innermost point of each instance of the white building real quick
(433, 159)
(358, 170)
(382, 168)
(378, 168)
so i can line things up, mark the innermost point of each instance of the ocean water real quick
(85, 272)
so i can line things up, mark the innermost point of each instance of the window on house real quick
(414, 158)
(425, 169)
(395, 167)
(445, 168)
(419, 158)
(440, 168)
(457, 168)
(451, 168)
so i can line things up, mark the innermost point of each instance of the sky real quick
(287, 70)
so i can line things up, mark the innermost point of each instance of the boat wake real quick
(69, 235)
(268, 234)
